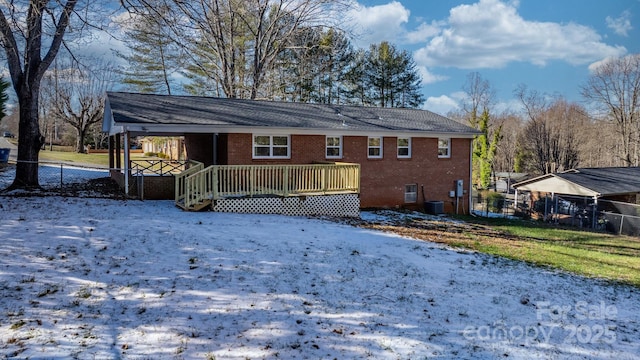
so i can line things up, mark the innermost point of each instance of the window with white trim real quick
(404, 147)
(444, 147)
(411, 193)
(334, 147)
(375, 147)
(271, 147)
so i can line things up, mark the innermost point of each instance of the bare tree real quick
(235, 42)
(599, 146)
(50, 124)
(614, 86)
(550, 139)
(80, 97)
(512, 126)
(477, 108)
(24, 42)
(480, 96)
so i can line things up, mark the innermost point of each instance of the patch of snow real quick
(51, 175)
(110, 279)
(392, 217)
(489, 214)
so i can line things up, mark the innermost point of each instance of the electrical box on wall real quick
(459, 188)
(452, 193)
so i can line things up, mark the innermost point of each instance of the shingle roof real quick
(603, 181)
(150, 110)
(606, 181)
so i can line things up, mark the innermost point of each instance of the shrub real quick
(494, 200)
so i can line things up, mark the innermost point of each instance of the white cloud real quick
(491, 34)
(620, 25)
(442, 104)
(423, 32)
(631, 58)
(378, 23)
(428, 77)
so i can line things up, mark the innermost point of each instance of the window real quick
(404, 147)
(270, 146)
(334, 147)
(444, 148)
(375, 147)
(411, 193)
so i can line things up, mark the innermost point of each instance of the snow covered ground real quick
(108, 279)
(53, 175)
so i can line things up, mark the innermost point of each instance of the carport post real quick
(126, 163)
(595, 208)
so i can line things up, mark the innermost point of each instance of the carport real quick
(618, 187)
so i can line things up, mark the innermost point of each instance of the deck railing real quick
(159, 167)
(224, 181)
(180, 187)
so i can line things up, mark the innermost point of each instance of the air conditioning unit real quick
(434, 207)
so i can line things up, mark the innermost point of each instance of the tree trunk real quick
(81, 134)
(30, 140)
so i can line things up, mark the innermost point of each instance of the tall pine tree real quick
(391, 77)
(154, 56)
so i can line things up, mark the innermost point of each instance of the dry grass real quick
(585, 253)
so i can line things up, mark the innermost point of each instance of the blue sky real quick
(547, 45)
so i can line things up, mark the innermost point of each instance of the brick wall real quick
(382, 180)
(159, 187)
(155, 187)
(199, 147)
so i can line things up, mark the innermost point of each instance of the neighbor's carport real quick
(614, 184)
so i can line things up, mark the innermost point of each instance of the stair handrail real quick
(201, 186)
(194, 167)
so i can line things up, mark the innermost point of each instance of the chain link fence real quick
(619, 217)
(491, 204)
(55, 176)
(582, 212)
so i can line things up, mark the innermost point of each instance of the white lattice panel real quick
(329, 205)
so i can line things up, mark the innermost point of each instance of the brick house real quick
(403, 155)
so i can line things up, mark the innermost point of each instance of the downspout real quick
(126, 163)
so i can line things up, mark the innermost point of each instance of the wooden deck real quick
(197, 187)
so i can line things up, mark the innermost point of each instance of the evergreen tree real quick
(334, 58)
(355, 81)
(313, 67)
(154, 56)
(485, 149)
(409, 83)
(391, 77)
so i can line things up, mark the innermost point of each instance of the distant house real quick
(168, 147)
(504, 180)
(608, 189)
(386, 157)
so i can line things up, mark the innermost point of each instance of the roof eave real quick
(151, 129)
